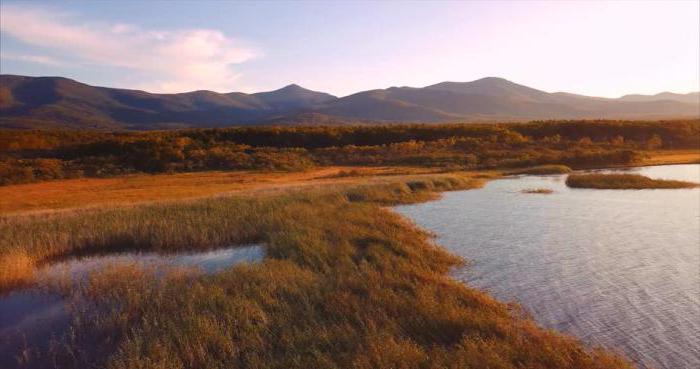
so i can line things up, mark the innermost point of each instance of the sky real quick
(594, 48)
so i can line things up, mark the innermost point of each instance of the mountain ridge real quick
(58, 102)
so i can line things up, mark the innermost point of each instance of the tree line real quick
(35, 155)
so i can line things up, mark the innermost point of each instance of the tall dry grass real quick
(16, 269)
(346, 284)
(27, 240)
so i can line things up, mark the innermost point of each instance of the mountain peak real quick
(492, 79)
(293, 86)
(293, 96)
(495, 87)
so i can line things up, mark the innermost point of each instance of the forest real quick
(38, 155)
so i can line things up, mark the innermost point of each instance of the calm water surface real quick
(31, 317)
(619, 268)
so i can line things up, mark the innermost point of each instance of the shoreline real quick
(139, 190)
(499, 278)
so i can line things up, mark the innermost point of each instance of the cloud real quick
(39, 59)
(173, 60)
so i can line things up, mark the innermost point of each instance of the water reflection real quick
(208, 261)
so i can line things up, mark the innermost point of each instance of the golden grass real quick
(74, 193)
(346, 284)
(541, 191)
(16, 270)
(135, 189)
(170, 226)
(623, 182)
(662, 157)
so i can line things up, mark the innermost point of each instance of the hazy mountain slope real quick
(473, 103)
(61, 102)
(381, 105)
(495, 87)
(55, 102)
(690, 98)
(293, 97)
(494, 98)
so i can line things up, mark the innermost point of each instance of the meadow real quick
(157, 188)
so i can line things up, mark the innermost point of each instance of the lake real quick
(617, 268)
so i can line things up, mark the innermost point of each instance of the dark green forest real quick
(37, 155)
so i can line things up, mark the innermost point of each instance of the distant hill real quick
(55, 102)
(691, 98)
(46, 102)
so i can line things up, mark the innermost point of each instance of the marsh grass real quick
(346, 284)
(542, 170)
(623, 181)
(32, 239)
(16, 270)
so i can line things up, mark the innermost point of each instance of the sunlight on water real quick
(620, 268)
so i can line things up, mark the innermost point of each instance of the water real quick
(210, 261)
(619, 268)
(31, 317)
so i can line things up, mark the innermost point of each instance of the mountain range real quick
(56, 102)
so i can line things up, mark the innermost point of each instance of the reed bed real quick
(27, 240)
(623, 182)
(346, 284)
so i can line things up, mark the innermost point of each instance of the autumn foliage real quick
(29, 156)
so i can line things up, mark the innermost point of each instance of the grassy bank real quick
(623, 181)
(346, 284)
(542, 170)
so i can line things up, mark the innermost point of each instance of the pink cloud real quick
(178, 60)
(39, 59)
